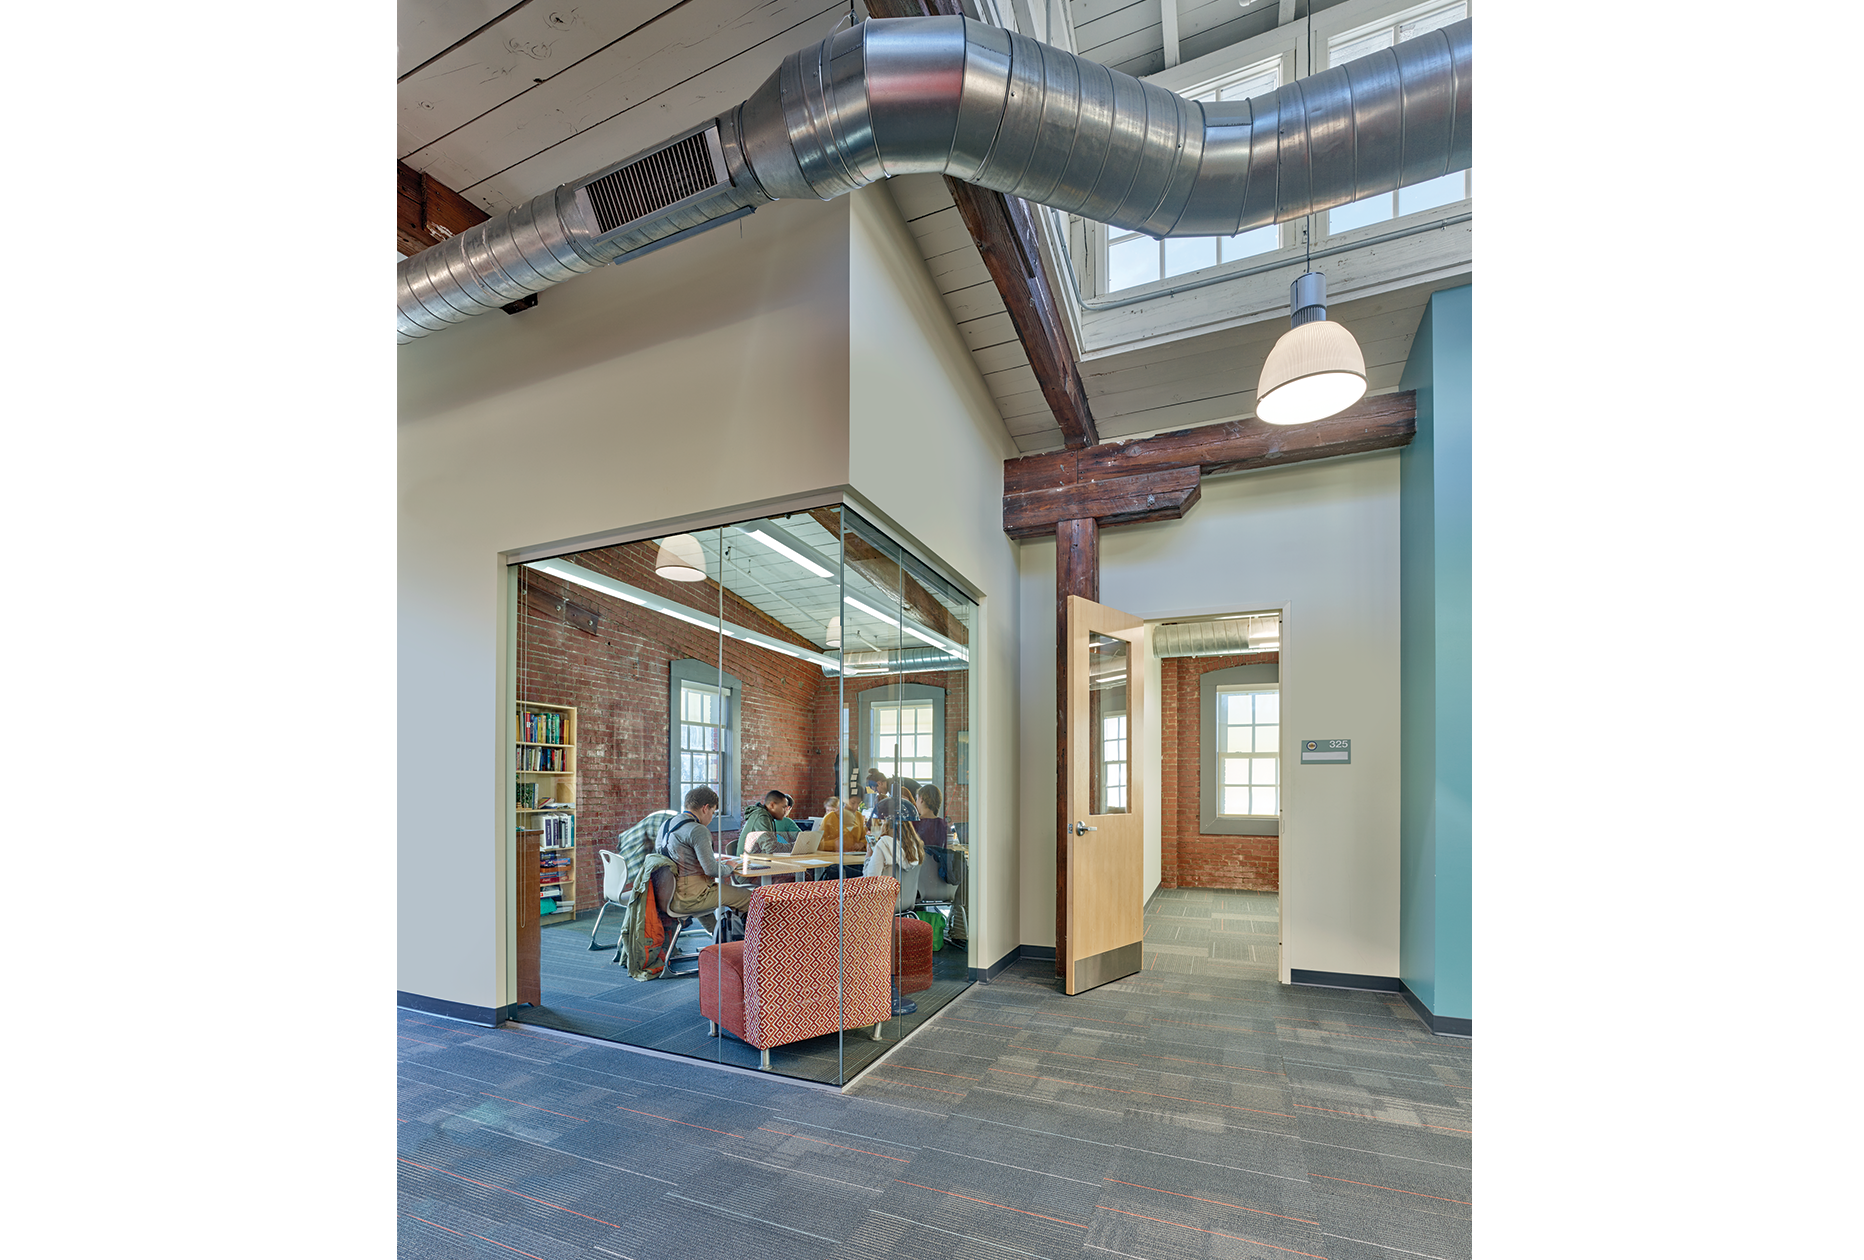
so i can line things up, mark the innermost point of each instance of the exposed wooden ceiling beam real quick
(427, 211)
(1158, 478)
(1005, 235)
(885, 574)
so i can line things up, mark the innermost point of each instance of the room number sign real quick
(1326, 752)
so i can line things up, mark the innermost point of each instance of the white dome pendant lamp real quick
(1316, 370)
(681, 559)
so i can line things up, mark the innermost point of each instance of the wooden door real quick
(1106, 849)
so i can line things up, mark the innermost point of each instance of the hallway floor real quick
(1196, 1109)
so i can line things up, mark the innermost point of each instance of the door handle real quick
(1081, 829)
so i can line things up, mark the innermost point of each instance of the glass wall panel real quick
(752, 733)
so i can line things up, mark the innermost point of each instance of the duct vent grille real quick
(653, 183)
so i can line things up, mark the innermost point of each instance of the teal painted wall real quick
(1434, 952)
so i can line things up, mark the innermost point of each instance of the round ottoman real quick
(912, 954)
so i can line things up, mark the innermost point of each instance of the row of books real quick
(543, 758)
(559, 830)
(541, 728)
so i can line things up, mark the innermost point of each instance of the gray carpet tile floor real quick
(1183, 1113)
(585, 991)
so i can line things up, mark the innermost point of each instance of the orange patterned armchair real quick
(779, 984)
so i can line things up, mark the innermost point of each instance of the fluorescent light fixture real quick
(582, 577)
(655, 603)
(788, 552)
(872, 612)
(943, 644)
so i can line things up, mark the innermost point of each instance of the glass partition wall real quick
(811, 677)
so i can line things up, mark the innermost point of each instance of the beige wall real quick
(926, 449)
(711, 374)
(1321, 539)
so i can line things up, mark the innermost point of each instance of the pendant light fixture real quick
(1316, 370)
(681, 559)
(833, 637)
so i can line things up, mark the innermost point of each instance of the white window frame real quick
(697, 675)
(1221, 755)
(890, 766)
(876, 698)
(1192, 78)
(1107, 786)
(1211, 685)
(1359, 17)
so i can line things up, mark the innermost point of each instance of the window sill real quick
(1239, 826)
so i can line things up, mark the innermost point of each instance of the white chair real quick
(615, 891)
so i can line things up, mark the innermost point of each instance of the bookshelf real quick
(545, 796)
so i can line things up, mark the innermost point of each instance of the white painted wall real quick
(1322, 539)
(926, 448)
(710, 374)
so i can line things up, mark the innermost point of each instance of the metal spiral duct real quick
(994, 108)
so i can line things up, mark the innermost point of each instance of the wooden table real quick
(765, 865)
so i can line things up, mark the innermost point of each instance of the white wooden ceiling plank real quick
(509, 58)
(1133, 48)
(676, 74)
(1011, 381)
(990, 330)
(1024, 404)
(426, 28)
(1184, 415)
(1082, 12)
(996, 358)
(1387, 350)
(1035, 422)
(1043, 440)
(941, 233)
(974, 301)
(919, 195)
(957, 269)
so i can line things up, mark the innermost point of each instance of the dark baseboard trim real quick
(489, 1016)
(1344, 980)
(1442, 1025)
(1039, 952)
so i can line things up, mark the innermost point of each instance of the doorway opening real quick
(1221, 745)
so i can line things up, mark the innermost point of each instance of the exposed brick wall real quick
(618, 677)
(1191, 859)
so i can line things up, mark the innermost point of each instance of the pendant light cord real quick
(1307, 231)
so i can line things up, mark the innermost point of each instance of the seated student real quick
(772, 816)
(842, 830)
(898, 856)
(701, 883)
(892, 804)
(932, 829)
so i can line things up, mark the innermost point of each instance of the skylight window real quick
(1388, 32)
(1134, 259)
